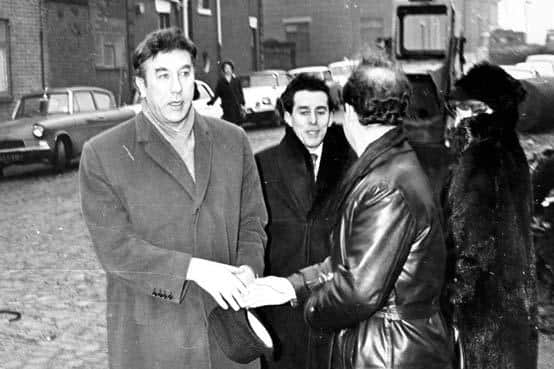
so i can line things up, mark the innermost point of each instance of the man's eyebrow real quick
(160, 69)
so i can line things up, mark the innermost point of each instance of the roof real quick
(310, 69)
(66, 89)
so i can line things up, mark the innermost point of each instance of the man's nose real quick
(175, 85)
(313, 118)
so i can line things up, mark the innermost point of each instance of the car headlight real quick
(38, 130)
(266, 101)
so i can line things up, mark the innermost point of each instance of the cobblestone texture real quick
(49, 273)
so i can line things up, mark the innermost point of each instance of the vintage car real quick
(53, 125)
(202, 95)
(262, 90)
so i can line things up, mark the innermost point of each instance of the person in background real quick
(229, 89)
(492, 279)
(174, 207)
(379, 290)
(298, 177)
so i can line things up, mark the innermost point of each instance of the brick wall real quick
(23, 17)
(334, 26)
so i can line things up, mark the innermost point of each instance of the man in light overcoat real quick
(174, 206)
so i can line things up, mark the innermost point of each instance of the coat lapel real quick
(161, 152)
(296, 173)
(203, 153)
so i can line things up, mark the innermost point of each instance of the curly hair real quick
(161, 41)
(378, 91)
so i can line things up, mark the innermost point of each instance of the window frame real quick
(202, 9)
(83, 92)
(6, 95)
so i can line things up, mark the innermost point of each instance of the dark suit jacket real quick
(147, 218)
(298, 233)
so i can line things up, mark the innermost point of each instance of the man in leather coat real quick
(379, 290)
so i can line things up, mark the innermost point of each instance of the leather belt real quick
(407, 312)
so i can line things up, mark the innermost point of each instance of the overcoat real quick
(147, 218)
(232, 98)
(298, 233)
(379, 290)
(492, 283)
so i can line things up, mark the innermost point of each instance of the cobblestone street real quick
(49, 273)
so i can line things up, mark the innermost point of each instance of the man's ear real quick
(140, 82)
(288, 118)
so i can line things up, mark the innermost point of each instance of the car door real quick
(87, 122)
(200, 104)
(107, 112)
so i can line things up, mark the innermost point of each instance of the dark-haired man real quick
(172, 200)
(298, 176)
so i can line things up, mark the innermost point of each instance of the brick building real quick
(329, 30)
(50, 43)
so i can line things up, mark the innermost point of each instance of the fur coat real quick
(492, 286)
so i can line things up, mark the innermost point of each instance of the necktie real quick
(314, 162)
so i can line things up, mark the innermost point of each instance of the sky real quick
(531, 16)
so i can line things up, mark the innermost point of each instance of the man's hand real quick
(221, 281)
(246, 274)
(268, 291)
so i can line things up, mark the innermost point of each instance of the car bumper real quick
(24, 155)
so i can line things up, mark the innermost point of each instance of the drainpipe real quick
(186, 18)
(41, 40)
(219, 38)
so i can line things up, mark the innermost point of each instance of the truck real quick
(428, 44)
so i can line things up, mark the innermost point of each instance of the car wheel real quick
(60, 156)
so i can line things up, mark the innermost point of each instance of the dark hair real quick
(302, 82)
(162, 40)
(378, 91)
(493, 85)
(227, 62)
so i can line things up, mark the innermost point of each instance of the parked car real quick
(261, 91)
(520, 72)
(341, 70)
(544, 68)
(540, 57)
(200, 102)
(325, 74)
(53, 125)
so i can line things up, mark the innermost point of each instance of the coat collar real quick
(168, 159)
(374, 154)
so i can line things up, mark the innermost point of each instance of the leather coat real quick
(379, 290)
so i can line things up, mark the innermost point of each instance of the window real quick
(109, 55)
(103, 101)
(82, 102)
(5, 90)
(370, 30)
(204, 7)
(164, 20)
(299, 33)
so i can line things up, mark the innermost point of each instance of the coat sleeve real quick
(253, 215)
(376, 237)
(142, 266)
(241, 93)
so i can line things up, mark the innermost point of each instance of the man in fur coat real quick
(298, 176)
(489, 202)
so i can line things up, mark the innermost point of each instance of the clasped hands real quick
(238, 287)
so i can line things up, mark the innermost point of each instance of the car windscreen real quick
(257, 80)
(56, 103)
